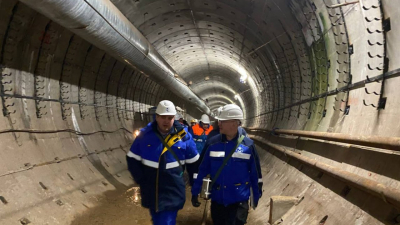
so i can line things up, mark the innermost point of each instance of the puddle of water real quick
(134, 196)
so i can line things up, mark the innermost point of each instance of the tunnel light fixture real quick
(243, 79)
(236, 97)
(243, 74)
(206, 78)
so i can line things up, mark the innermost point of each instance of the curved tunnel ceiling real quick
(213, 38)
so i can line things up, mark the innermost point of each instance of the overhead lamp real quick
(206, 78)
(243, 79)
(236, 97)
(243, 73)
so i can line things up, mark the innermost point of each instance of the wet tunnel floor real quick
(123, 207)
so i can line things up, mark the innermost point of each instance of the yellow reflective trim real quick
(173, 140)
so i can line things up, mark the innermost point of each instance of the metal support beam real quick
(342, 4)
(389, 195)
(392, 143)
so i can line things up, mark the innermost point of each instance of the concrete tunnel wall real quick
(52, 80)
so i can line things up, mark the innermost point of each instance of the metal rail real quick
(389, 195)
(392, 143)
(342, 4)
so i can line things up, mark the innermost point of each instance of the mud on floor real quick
(123, 207)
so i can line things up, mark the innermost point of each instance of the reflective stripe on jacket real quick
(156, 171)
(238, 176)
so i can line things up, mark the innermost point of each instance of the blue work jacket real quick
(157, 171)
(237, 177)
(214, 133)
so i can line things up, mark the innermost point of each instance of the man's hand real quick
(195, 201)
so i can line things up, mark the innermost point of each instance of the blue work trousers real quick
(164, 217)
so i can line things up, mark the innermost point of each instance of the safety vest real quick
(200, 136)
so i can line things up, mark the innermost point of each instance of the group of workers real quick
(167, 147)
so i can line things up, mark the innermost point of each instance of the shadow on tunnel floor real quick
(123, 207)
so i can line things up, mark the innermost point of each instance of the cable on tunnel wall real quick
(28, 166)
(33, 131)
(60, 101)
(320, 34)
(360, 84)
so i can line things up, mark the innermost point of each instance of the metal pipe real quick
(392, 143)
(100, 23)
(387, 194)
(342, 4)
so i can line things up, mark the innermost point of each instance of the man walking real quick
(230, 160)
(157, 161)
(200, 132)
(193, 122)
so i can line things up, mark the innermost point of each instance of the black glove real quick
(260, 185)
(195, 201)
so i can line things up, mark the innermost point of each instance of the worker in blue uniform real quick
(157, 160)
(215, 132)
(200, 132)
(193, 123)
(233, 182)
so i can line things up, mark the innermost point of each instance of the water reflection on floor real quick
(134, 195)
(124, 207)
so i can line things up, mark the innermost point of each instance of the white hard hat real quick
(231, 112)
(205, 119)
(218, 112)
(166, 107)
(178, 116)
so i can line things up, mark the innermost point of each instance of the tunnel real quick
(317, 81)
